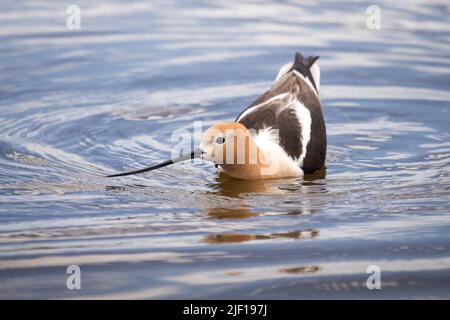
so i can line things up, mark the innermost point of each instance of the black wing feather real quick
(290, 132)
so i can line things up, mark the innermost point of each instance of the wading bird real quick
(281, 134)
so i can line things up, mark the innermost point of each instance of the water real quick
(77, 104)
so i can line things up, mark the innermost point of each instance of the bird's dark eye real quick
(220, 140)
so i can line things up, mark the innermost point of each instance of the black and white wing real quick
(292, 107)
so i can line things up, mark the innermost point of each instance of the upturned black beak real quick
(196, 153)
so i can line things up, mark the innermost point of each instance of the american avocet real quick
(281, 134)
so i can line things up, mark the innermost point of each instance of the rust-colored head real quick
(228, 143)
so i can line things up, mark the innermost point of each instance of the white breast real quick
(277, 163)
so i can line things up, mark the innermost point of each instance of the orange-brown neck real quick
(240, 156)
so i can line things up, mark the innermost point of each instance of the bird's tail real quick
(308, 68)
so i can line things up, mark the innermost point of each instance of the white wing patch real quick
(255, 108)
(283, 70)
(315, 72)
(304, 117)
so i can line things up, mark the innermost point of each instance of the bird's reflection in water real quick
(239, 237)
(301, 270)
(236, 191)
(234, 188)
(225, 185)
(239, 193)
(231, 213)
(242, 205)
(318, 175)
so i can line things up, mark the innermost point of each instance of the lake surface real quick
(78, 104)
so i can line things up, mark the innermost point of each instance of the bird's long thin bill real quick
(194, 154)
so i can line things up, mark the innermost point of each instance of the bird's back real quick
(292, 108)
